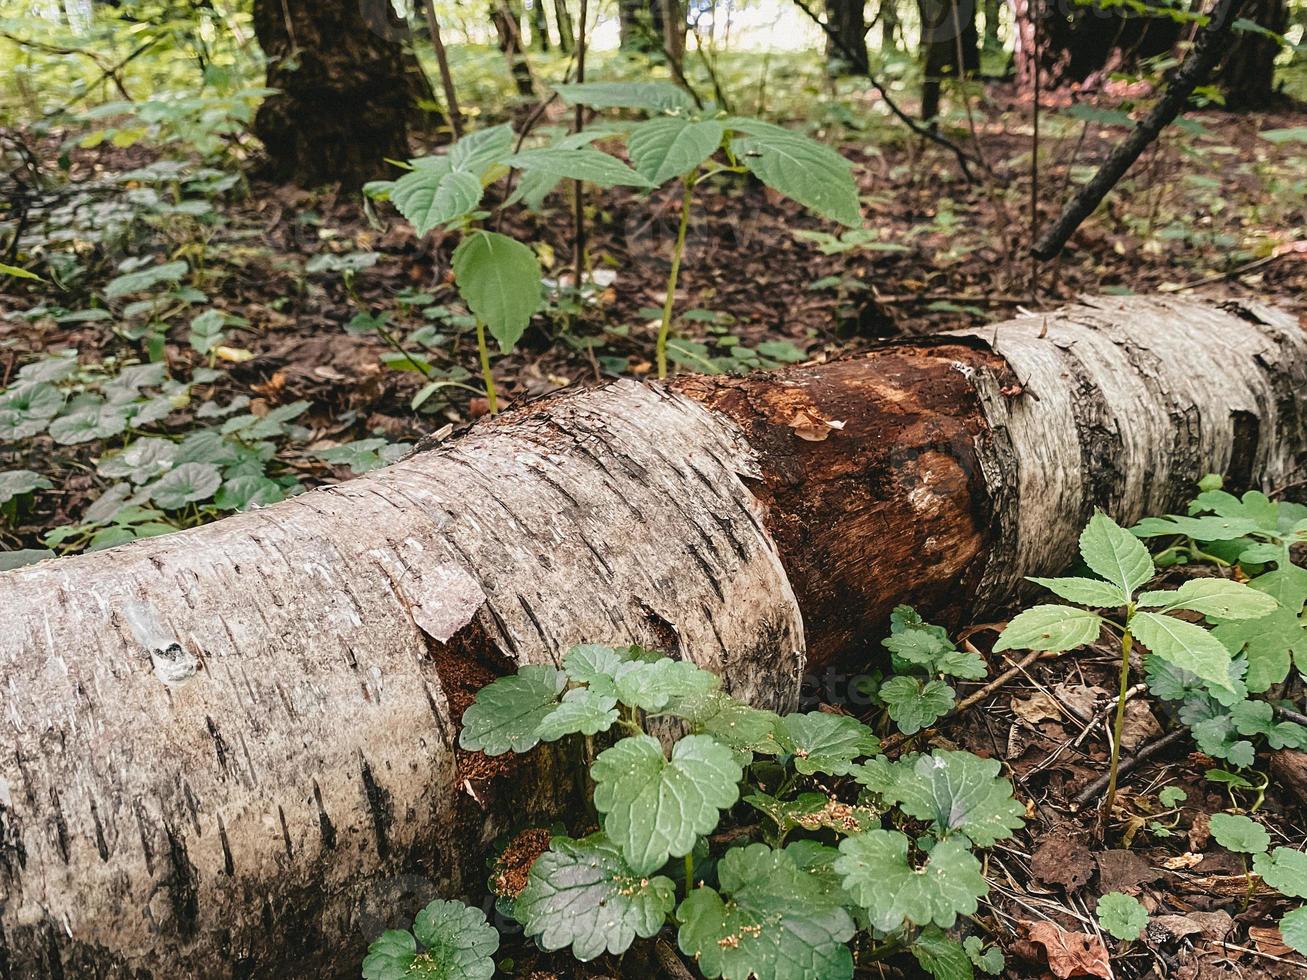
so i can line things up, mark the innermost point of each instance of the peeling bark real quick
(230, 751)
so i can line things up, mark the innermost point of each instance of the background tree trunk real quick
(566, 32)
(231, 751)
(347, 89)
(1081, 45)
(506, 17)
(539, 26)
(848, 20)
(889, 25)
(1247, 75)
(948, 29)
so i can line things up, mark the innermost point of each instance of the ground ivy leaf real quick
(187, 483)
(1114, 554)
(1185, 645)
(1238, 833)
(1215, 597)
(913, 704)
(1285, 870)
(1293, 929)
(877, 872)
(1121, 916)
(1050, 627)
(595, 665)
(943, 958)
(815, 811)
(960, 792)
(390, 955)
(731, 722)
(650, 686)
(506, 713)
(1269, 643)
(583, 894)
(1091, 592)
(459, 943)
(990, 960)
(582, 711)
(822, 742)
(654, 808)
(771, 921)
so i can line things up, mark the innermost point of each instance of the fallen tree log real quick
(230, 751)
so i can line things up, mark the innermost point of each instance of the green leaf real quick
(477, 152)
(15, 483)
(1113, 553)
(943, 958)
(990, 960)
(1215, 597)
(877, 872)
(1287, 584)
(1121, 916)
(390, 956)
(1172, 796)
(581, 893)
(140, 462)
(1050, 627)
(243, 492)
(499, 279)
(822, 742)
(17, 273)
(654, 808)
(1296, 134)
(651, 686)
(582, 711)
(1285, 870)
(508, 711)
(459, 943)
(206, 330)
(651, 96)
(731, 722)
(187, 483)
(672, 146)
(1090, 592)
(960, 792)
(771, 921)
(143, 279)
(595, 665)
(578, 163)
(431, 197)
(1198, 528)
(1258, 718)
(806, 171)
(87, 422)
(1236, 832)
(1216, 737)
(1268, 643)
(1185, 645)
(1293, 926)
(914, 705)
(815, 811)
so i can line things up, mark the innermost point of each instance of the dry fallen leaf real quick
(1069, 954)
(1037, 707)
(1267, 940)
(1181, 861)
(1139, 726)
(1063, 861)
(1212, 925)
(1124, 871)
(1079, 699)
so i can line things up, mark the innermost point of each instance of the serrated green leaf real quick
(583, 894)
(1238, 833)
(960, 793)
(651, 686)
(1050, 627)
(459, 943)
(917, 646)
(1287, 584)
(731, 722)
(672, 146)
(582, 712)
(1216, 597)
(1171, 683)
(1172, 796)
(650, 96)
(914, 705)
(1185, 645)
(654, 808)
(1216, 737)
(1285, 870)
(499, 280)
(429, 198)
(185, 484)
(877, 872)
(1114, 554)
(943, 958)
(1121, 916)
(990, 960)
(390, 955)
(1258, 718)
(1293, 926)
(1268, 643)
(772, 921)
(1091, 592)
(822, 742)
(815, 811)
(476, 152)
(595, 665)
(578, 163)
(143, 279)
(809, 172)
(508, 711)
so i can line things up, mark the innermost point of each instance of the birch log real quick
(229, 752)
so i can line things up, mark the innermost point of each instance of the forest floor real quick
(344, 308)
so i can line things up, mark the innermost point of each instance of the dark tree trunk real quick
(506, 16)
(347, 86)
(566, 32)
(1247, 75)
(848, 21)
(889, 25)
(539, 26)
(1081, 45)
(948, 35)
(992, 43)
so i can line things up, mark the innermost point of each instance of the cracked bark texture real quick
(230, 752)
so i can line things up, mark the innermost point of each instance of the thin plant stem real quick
(1126, 642)
(446, 77)
(492, 400)
(664, 328)
(578, 188)
(689, 873)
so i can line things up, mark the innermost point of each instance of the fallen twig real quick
(1130, 764)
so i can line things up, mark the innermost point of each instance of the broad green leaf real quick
(1258, 718)
(990, 960)
(1216, 597)
(1216, 736)
(654, 808)
(594, 665)
(87, 422)
(672, 146)
(206, 330)
(1171, 683)
(961, 663)
(1185, 645)
(731, 722)
(185, 484)
(390, 955)
(1172, 796)
(1293, 926)
(582, 711)
(1113, 553)
(1296, 134)
(476, 152)
(1198, 528)
(771, 921)
(429, 198)
(1121, 916)
(1287, 584)
(917, 646)
(914, 704)
(499, 279)
(583, 894)
(508, 711)
(17, 273)
(242, 492)
(943, 958)
(1268, 643)
(809, 172)
(1238, 833)
(459, 943)
(14, 483)
(960, 792)
(578, 163)
(815, 811)
(1091, 592)
(822, 742)
(1050, 627)
(651, 686)
(143, 279)
(1285, 870)
(650, 96)
(877, 872)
